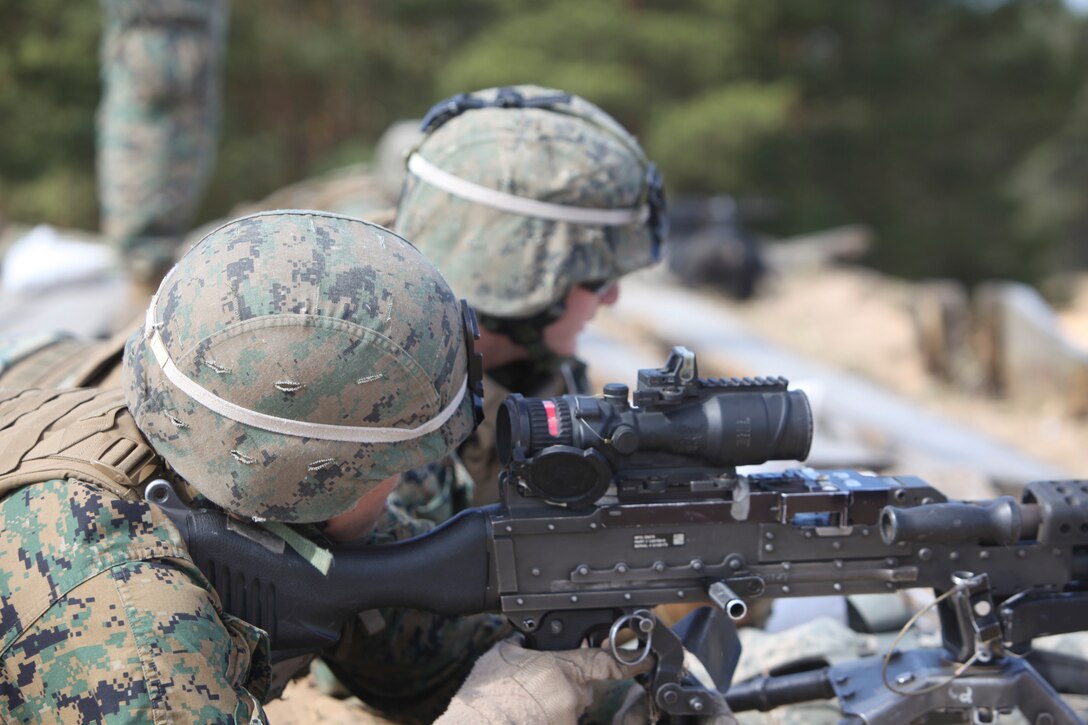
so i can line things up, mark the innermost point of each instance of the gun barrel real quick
(1003, 521)
(767, 693)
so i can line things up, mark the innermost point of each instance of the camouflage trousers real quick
(158, 121)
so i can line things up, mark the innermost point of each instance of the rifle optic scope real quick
(568, 448)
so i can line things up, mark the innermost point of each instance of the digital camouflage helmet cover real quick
(519, 194)
(292, 360)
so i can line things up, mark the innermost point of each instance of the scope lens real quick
(532, 424)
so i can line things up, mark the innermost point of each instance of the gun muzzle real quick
(996, 523)
(727, 600)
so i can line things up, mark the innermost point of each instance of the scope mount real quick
(670, 383)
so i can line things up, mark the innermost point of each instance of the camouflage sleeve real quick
(104, 619)
(410, 663)
(139, 642)
(432, 493)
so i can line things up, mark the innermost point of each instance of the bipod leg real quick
(925, 681)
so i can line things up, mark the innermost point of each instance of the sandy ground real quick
(858, 320)
(1074, 317)
(303, 704)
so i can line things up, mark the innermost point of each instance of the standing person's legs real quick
(158, 123)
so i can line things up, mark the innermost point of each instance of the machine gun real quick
(612, 506)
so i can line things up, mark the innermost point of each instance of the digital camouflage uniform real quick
(103, 615)
(158, 122)
(131, 562)
(595, 212)
(102, 612)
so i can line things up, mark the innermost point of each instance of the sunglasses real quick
(601, 288)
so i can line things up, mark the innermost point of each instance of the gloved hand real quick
(511, 684)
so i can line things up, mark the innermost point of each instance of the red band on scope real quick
(553, 419)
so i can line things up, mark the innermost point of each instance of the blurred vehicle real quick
(710, 245)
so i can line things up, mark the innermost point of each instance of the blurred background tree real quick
(957, 129)
(48, 93)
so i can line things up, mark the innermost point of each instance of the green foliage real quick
(950, 126)
(61, 194)
(627, 59)
(48, 91)
(715, 141)
(1049, 186)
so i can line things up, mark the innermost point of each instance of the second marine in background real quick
(533, 203)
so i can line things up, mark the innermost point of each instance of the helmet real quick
(519, 194)
(291, 360)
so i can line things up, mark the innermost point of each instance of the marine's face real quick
(581, 306)
(360, 521)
